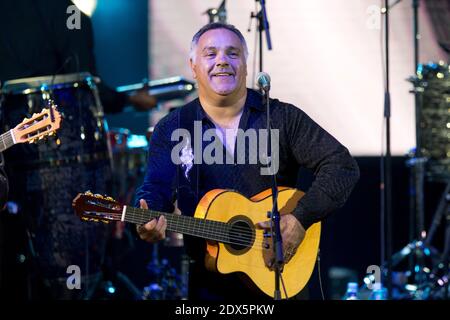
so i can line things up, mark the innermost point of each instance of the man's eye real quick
(234, 54)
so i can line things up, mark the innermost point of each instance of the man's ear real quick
(192, 65)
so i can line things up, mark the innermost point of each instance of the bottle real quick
(378, 292)
(352, 291)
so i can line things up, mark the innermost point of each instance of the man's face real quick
(219, 67)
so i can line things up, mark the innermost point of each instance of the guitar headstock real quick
(38, 126)
(95, 207)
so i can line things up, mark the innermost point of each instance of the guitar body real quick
(243, 213)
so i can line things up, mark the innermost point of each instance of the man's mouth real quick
(222, 74)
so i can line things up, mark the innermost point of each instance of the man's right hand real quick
(154, 230)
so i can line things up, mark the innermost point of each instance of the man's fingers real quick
(153, 230)
(143, 204)
(289, 252)
(161, 226)
(144, 230)
(263, 225)
(149, 226)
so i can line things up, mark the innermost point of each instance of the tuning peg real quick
(109, 198)
(88, 193)
(32, 141)
(41, 137)
(84, 219)
(98, 196)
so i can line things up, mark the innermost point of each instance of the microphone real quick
(263, 81)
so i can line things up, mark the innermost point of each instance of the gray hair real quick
(212, 26)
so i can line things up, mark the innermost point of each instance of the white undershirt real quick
(229, 133)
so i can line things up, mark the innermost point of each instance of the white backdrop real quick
(326, 59)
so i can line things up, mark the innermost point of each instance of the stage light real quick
(110, 287)
(87, 6)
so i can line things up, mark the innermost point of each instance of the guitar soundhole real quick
(241, 235)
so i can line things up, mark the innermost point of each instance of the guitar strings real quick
(6, 138)
(257, 240)
(144, 215)
(221, 229)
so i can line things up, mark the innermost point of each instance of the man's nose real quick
(222, 59)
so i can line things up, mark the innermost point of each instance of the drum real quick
(82, 137)
(46, 177)
(433, 87)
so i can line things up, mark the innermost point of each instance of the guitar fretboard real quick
(6, 140)
(207, 229)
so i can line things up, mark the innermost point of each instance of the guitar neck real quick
(6, 140)
(207, 229)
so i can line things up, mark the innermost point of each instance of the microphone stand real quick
(277, 243)
(263, 25)
(387, 172)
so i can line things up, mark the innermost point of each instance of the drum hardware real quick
(428, 269)
(217, 14)
(167, 283)
(163, 89)
(129, 154)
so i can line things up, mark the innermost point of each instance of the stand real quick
(417, 216)
(427, 279)
(387, 175)
(274, 215)
(217, 15)
(263, 25)
(442, 266)
(167, 284)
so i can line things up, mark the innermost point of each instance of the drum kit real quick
(427, 269)
(83, 155)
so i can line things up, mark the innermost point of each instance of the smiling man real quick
(218, 62)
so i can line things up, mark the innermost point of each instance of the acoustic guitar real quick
(33, 129)
(226, 219)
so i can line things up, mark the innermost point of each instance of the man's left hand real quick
(292, 233)
(142, 100)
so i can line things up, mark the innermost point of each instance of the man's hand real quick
(154, 230)
(292, 233)
(142, 100)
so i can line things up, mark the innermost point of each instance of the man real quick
(218, 63)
